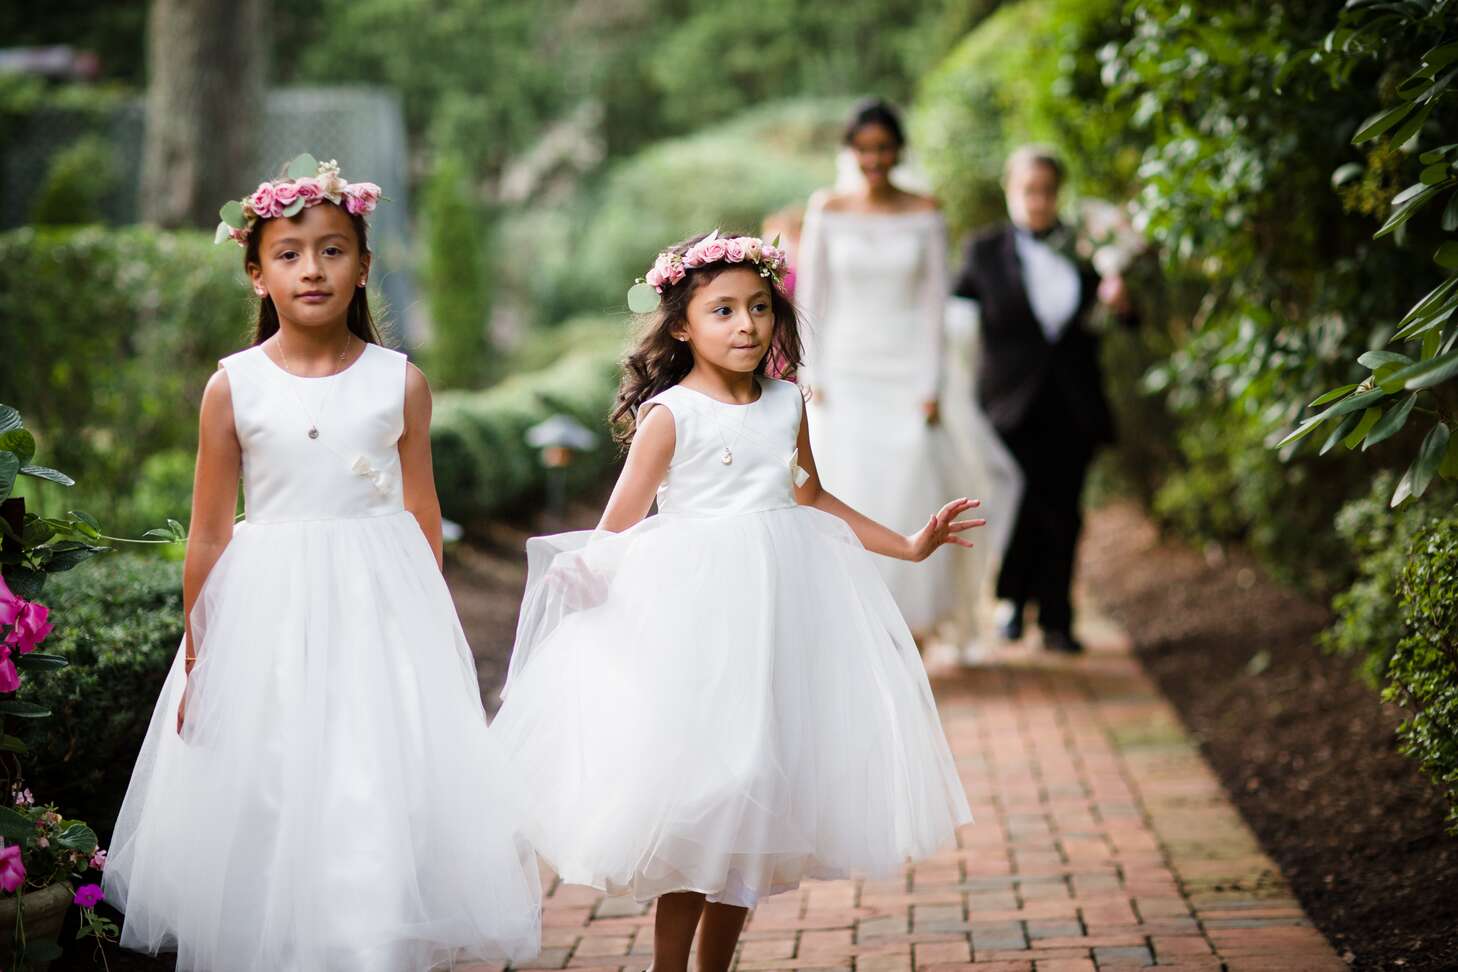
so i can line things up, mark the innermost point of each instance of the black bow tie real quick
(1045, 233)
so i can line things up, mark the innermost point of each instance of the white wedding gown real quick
(873, 288)
(335, 801)
(724, 698)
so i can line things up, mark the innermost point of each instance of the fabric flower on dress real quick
(377, 477)
(798, 475)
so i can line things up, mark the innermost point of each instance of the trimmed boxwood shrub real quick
(119, 622)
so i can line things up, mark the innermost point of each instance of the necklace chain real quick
(338, 367)
(727, 456)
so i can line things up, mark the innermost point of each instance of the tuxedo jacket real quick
(1018, 363)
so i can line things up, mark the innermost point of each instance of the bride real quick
(895, 424)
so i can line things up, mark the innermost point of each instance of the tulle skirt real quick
(725, 705)
(335, 801)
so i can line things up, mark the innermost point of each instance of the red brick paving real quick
(1102, 841)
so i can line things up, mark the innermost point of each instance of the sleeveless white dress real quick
(724, 698)
(334, 801)
(873, 288)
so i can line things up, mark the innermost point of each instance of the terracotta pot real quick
(45, 910)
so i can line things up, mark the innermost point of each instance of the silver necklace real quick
(338, 366)
(727, 456)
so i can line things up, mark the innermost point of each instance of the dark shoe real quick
(1062, 641)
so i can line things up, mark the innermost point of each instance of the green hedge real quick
(109, 336)
(119, 621)
(582, 256)
(483, 466)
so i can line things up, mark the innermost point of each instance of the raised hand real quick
(943, 527)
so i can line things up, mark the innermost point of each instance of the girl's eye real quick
(761, 307)
(332, 251)
(287, 255)
(725, 310)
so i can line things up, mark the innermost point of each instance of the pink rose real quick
(12, 869)
(309, 190)
(734, 250)
(675, 273)
(264, 201)
(9, 677)
(239, 236)
(98, 860)
(654, 279)
(753, 248)
(360, 197)
(31, 627)
(715, 252)
(284, 194)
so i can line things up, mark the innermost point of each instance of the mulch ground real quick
(1306, 750)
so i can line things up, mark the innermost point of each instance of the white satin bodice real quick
(352, 469)
(760, 435)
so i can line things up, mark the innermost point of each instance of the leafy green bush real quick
(483, 466)
(584, 257)
(79, 179)
(119, 624)
(455, 279)
(1025, 74)
(1423, 672)
(109, 336)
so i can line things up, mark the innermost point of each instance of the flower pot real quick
(45, 910)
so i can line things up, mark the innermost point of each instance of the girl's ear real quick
(255, 275)
(364, 269)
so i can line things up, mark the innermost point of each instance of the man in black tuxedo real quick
(1039, 382)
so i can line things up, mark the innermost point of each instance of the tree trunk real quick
(205, 91)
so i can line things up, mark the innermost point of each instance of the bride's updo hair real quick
(659, 360)
(875, 111)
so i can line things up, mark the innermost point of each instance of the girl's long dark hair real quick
(358, 318)
(659, 360)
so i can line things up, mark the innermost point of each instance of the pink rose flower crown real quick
(670, 268)
(306, 182)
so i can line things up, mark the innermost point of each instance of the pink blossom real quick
(360, 197)
(284, 194)
(30, 626)
(23, 798)
(239, 236)
(98, 860)
(676, 273)
(9, 677)
(88, 895)
(753, 247)
(12, 869)
(309, 190)
(264, 201)
(713, 252)
(654, 279)
(9, 604)
(734, 250)
(42, 843)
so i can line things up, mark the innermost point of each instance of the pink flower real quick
(12, 869)
(284, 194)
(98, 860)
(734, 250)
(713, 252)
(9, 677)
(239, 236)
(23, 798)
(655, 279)
(88, 895)
(264, 201)
(30, 626)
(9, 604)
(42, 843)
(309, 190)
(360, 197)
(753, 247)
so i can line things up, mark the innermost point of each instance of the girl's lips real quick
(314, 296)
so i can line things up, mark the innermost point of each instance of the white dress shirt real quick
(1051, 281)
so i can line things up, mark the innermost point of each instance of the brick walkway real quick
(1102, 840)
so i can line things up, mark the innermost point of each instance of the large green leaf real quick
(14, 825)
(20, 442)
(38, 661)
(232, 214)
(9, 469)
(1343, 429)
(1430, 457)
(9, 418)
(1381, 122)
(1303, 430)
(1447, 255)
(77, 837)
(12, 744)
(1405, 210)
(1357, 402)
(1391, 423)
(23, 710)
(1426, 374)
(1450, 214)
(1440, 57)
(1449, 468)
(302, 167)
(1413, 124)
(46, 472)
(1376, 359)
(1331, 396)
(24, 582)
(1369, 418)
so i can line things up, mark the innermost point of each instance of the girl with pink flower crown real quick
(715, 702)
(317, 791)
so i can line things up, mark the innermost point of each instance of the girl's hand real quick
(182, 710)
(943, 527)
(932, 410)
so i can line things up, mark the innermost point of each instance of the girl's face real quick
(877, 152)
(1032, 196)
(730, 321)
(310, 265)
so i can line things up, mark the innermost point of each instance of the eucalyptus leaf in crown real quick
(306, 182)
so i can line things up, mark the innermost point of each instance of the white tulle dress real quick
(724, 698)
(334, 801)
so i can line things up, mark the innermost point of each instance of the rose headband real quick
(669, 268)
(306, 182)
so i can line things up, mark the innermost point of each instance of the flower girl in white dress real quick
(317, 791)
(715, 702)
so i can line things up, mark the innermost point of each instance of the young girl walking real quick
(317, 791)
(716, 702)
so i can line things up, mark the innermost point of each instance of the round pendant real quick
(313, 433)
(727, 457)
